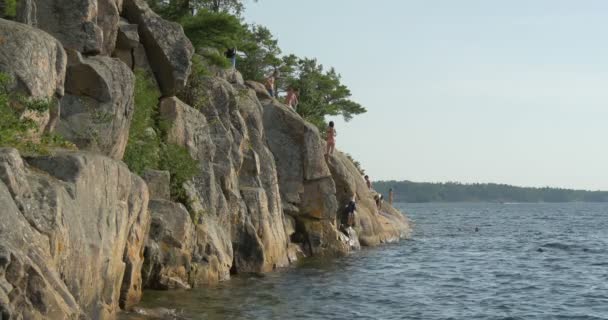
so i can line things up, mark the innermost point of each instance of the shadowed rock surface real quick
(168, 49)
(98, 106)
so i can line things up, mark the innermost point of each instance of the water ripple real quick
(527, 261)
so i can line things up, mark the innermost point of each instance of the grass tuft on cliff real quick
(10, 9)
(146, 149)
(16, 130)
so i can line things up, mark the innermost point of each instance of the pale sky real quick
(507, 91)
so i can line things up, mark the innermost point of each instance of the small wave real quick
(559, 245)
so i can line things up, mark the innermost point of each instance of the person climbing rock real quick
(270, 84)
(231, 55)
(292, 98)
(331, 138)
(351, 207)
(379, 198)
(368, 182)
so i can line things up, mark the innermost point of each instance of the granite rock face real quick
(168, 49)
(71, 233)
(79, 237)
(87, 26)
(372, 225)
(73, 22)
(234, 201)
(37, 63)
(98, 106)
(308, 191)
(168, 253)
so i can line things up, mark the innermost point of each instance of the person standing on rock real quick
(368, 183)
(390, 196)
(331, 138)
(270, 83)
(231, 55)
(292, 98)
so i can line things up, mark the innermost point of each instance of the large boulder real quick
(72, 22)
(372, 225)
(108, 16)
(71, 236)
(98, 105)
(37, 63)
(158, 183)
(168, 49)
(308, 191)
(234, 200)
(168, 253)
(88, 26)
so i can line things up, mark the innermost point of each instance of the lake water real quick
(526, 261)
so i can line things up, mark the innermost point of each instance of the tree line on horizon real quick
(422, 192)
(218, 24)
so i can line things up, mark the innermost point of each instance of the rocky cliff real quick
(81, 235)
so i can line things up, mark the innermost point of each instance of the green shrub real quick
(182, 168)
(216, 59)
(209, 29)
(146, 149)
(143, 148)
(194, 93)
(16, 131)
(10, 9)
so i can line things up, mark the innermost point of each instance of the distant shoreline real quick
(454, 192)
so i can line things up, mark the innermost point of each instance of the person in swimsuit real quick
(368, 182)
(390, 196)
(331, 138)
(292, 98)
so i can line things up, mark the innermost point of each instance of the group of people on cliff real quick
(292, 100)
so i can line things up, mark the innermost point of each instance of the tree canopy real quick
(217, 24)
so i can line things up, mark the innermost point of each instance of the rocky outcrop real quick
(234, 201)
(306, 185)
(168, 49)
(88, 26)
(315, 189)
(98, 106)
(107, 19)
(37, 63)
(70, 235)
(158, 184)
(168, 253)
(78, 239)
(74, 23)
(373, 226)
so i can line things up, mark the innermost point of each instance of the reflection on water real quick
(533, 261)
